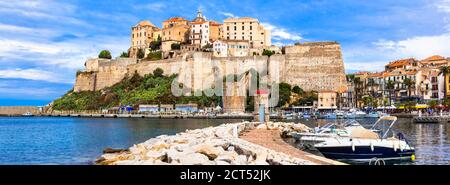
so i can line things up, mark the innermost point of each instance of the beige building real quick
(327, 100)
(215, 31)
(175, 29)
(233, 48)
(143, 33)
(246, 29)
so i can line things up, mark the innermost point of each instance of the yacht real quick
(27, 114)
(360, 114)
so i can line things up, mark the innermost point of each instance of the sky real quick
(44, 42)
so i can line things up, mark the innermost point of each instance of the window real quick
(251, 27)
(228, 28)
(242, 27)
(251, 37)
(234, 28)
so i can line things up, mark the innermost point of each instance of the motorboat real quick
(340, 114)
(360, 114)
(326, 131)
(373, 115)
(330, 115)
(379, 142)
(350, 115)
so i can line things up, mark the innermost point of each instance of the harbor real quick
(93, 135)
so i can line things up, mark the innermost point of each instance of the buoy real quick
(371, 146)
(353, 145)
(413, 157)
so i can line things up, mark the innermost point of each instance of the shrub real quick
(140, 53)
(157, 55)
(158, 72)
(124, 55)
(105, 54)
(175, 46)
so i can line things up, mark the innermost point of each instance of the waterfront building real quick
(186, 107)
(435, 61)
(246, 28)
(327, 100)
(405, 64)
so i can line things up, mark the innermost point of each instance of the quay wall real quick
(17, 110)
(312, 66)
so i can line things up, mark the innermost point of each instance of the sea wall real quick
(312, 66)
(17, 110)
(209, 146)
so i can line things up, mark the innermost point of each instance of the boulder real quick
(227, 156)
(112, 150)
(195, 159)
(240, 160)
(210, 151)
(261, 126)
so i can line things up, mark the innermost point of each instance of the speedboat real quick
(379, 142)
(306, 115)
(321, 134)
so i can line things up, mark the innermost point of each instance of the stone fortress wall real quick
(312, 66)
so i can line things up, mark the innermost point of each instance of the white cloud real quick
(281, 33)
(228, 14)
(418, 47)
(151, 6)
(32, 74)
(443, 6)
(25, 30)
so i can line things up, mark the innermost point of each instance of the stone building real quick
(246, 28)
(232, 48)
(142, 34)
(175, 30)
(327, 100)
(199, 33)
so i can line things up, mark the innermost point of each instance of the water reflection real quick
(431, 141)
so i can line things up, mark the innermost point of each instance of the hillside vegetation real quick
(132, 90)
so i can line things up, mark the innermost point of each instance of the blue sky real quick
(43, 42)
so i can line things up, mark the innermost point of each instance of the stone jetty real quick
(219, 145)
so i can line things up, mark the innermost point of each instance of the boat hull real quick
(365, 153)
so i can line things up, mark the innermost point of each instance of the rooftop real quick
(175, 19)
(401, 62)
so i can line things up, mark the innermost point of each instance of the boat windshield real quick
(384, 125)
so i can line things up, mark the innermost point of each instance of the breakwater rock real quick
(219, 145)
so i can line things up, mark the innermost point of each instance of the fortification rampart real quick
(312, 66)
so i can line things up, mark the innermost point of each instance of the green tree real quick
(445, 70)
(156, 45)
(158, 72)
(140, 53)
(124, 55)
(432, 104)
(390, 85)
(155, 55)
(297, 90)
(105, 54)
(175, 46)
(409, 84)
(284, 94)
(268, 52)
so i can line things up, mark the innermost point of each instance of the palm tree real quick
(356, 82)
(444, 70)
(390, 86)
(408, 83)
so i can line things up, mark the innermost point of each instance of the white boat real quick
(27, 114)
(340, 114)
(379, 142)
(321, 134)
(330, 115)
(360, 114)
(373, 115)
(350, 115)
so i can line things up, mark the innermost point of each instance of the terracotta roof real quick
(145, 23)
(213, 23)
(327, 91)
(434, 58)
(175, 19)
(198, 22)
(402, 62)
(376, 75)
(411, 72)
